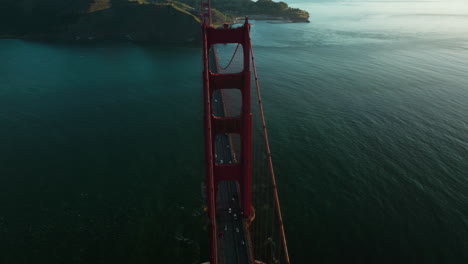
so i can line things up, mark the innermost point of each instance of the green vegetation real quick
(164, 20)
(279, 9)
(136, 20)
(267, 9)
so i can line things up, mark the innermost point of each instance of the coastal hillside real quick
(135, 20)
(260, 9)
(141, 20)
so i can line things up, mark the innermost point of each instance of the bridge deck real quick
(234, 246)
(233, 243)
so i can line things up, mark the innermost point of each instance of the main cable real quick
(270, 162)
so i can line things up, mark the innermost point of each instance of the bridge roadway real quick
(234, 245)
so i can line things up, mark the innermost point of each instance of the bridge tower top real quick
(206, 12)
(234, 236)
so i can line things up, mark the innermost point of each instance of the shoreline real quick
(240, 19)
(11, 37)
(272, 18)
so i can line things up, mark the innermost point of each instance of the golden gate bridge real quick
(245, 223)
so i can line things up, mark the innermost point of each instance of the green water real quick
(101, 144)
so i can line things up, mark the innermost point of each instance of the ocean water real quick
(101, 154)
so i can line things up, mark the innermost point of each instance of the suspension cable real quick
(270, 163)
(232, 58)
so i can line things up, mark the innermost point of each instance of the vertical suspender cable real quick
(270, 163)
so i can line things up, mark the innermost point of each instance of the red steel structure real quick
(206, 12)
(242, 125)
(240, 171)
(214, 125)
